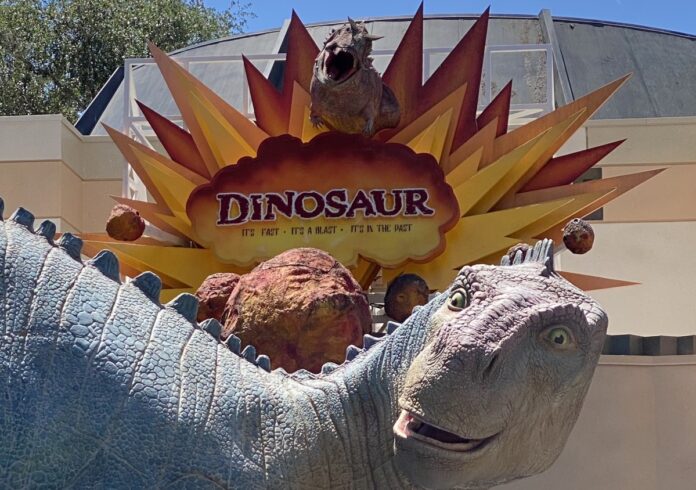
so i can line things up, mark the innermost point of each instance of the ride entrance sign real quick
(339, 192)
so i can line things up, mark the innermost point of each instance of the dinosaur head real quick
(346, 50)
(507, 366)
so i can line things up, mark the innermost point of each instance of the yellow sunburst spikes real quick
(491, 231)
(433, 139)
(452, 104)
(299, 110)
(560, 215)
(588, 104)
(200, 106)
(523, 165)
(174, 188)
(465, 169)
(483, 140)
(225, 142)
(299, 124)
(471, 191)
(611, 189)
(158, 216)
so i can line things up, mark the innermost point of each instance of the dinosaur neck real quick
(373, 383)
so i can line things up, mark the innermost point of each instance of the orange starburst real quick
(509, 186)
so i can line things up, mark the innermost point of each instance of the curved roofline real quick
(400, 18)
(638, 27)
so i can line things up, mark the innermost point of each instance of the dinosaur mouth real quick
(408, 426)
(339, 65)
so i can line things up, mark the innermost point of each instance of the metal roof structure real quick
(585, 55)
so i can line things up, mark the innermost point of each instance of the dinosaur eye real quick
(458, 301)
(559, 337)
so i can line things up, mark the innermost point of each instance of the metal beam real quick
(549, 32)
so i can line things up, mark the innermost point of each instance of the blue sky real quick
(677, 15)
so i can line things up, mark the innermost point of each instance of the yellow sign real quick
(339, 192)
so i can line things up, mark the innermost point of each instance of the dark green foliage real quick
(57, 54)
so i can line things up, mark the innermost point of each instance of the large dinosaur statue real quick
(103, 387)
(348, 94)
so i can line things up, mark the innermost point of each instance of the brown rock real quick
(301, 308)
(213, 294)
(578, 236)
(403, 294)
(125, 223)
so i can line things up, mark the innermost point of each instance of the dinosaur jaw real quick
(412, 428)
(339, 65)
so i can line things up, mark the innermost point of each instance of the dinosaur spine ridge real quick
(150, 284)
(47, 229)
(147, 282)
(186, 305)
(24, 218)
(541, 252)
(107, 263)
(71, 244)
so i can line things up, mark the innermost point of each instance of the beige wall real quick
(47, 167)
(658, 255)
(636, 431)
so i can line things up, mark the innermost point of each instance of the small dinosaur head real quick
(346, 50)
(506, 366)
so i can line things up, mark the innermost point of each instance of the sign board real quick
(338, 192)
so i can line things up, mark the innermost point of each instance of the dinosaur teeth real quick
(264, 362)
(249, 353)
(23, 217)
(351, 352)
(186, 305)
(234, 343)
(519, 257)
(47, 229)
(392, 326)
(149, 284)
(328, 367)
(71, 244)
(212, 326)
(107, 263)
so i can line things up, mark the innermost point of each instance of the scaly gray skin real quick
(102, 387)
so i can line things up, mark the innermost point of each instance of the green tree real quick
(55, 55)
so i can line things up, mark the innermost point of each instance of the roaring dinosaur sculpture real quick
(102, 386)
(348, 94)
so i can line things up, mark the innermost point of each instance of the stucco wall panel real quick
(659, 256)
(667, 196)
(98, 203)
(33, 185)
(635, 430)
(71, 196)
(648, 141)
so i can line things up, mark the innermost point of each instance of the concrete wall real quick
(636, 430)
(47, 167)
